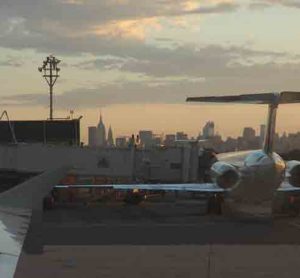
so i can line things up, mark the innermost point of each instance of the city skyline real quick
(249, 137)
(180, 117)
(224, 123)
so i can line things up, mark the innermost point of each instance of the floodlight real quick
(49, 66)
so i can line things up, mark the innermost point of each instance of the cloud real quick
(269, 3)
(187, 60)
(259, 5)
(221, 7)
(110, 94)
(238, 79)
(135, 29)
(56, 26)
(11, 61)
(114, 33)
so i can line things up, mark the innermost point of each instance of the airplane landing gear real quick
(133, 198)
(214, 204)
(48, 203)
(293, 206)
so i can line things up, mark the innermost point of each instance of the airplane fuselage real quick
(260, 175)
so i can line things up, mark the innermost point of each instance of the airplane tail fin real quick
(266, 98)
(271, 99)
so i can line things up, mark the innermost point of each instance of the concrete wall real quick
(175, 164)
(159, 165)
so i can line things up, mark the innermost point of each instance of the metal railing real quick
(12, 131)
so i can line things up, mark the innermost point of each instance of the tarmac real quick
(161, 239)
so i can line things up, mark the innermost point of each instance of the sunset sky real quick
(137, 61)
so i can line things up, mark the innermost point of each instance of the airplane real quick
(20, 208)
(242, 183)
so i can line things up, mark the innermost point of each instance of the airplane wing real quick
(191, 187)
(16, 207)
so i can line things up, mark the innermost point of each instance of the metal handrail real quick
(10, 126)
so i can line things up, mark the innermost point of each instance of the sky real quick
(137, 61)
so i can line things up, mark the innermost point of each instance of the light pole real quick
(50, 70)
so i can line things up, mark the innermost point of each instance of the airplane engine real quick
(293, 172)
(224, 175)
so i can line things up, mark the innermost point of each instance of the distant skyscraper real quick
(101, 133)
(92, 136)
(262, 134)
(248, 133)
(121, 142)
(208, 130)
(157, 141)
(170, 139)
(110, 139)
(146, 137)
(181, 136)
